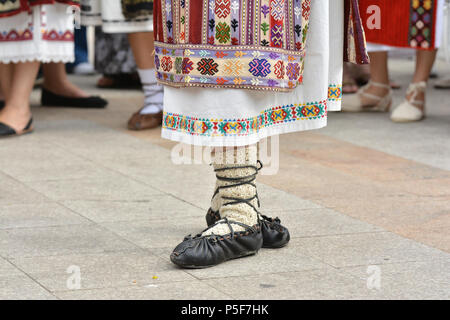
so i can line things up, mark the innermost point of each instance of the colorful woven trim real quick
(238, 67)
(245, 127)
(422, 24)
(251, 44)
(27, 35)
(335, 92)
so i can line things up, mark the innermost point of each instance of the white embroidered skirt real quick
(45, 34)
(108, 14)
(233, 117)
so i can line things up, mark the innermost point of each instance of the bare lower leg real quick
(6, 72)
(379, 73)
(143, 46)
(424, 63)
(17, 111)
(56, 81)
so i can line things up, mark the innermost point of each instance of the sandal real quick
(353, 103)
(7, 131)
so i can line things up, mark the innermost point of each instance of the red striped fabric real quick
(195, 21)
(404, 23)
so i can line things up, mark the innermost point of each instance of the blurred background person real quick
(133, 17)
(30, 33)
(405, 24)
(114, 60)
(81, 65)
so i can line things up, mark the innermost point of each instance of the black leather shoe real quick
(50, 99)
(7, 131)
(275, 235)
(2, 104)
(208, 251)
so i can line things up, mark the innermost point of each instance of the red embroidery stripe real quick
(195, 21)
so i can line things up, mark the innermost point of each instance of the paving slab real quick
(101, 270)
(22, 288)
(191, 290)
(7, 269)
(321, 222)
(366, 249)
(45, 214)
(411, 280)
(157, 207)
(46, 241)
(113, 187)
(320, 284)
(14, 192)
(157, 233)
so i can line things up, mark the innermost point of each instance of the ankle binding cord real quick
(240, 181)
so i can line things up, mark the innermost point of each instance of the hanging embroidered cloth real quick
(135, 8)
(13, 7)
(355, 50)
(249, 44)
(403, 23)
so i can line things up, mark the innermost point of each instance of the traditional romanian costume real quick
(238, 71)
(36, 30)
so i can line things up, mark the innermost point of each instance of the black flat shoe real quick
(208, 251)
(275, 235)
(2, 104)
(7, 131)
(50, 99)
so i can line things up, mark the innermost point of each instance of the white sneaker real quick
(353, 102)
(84, 68)
(408, 110)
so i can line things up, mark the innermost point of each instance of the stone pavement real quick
(365, 200)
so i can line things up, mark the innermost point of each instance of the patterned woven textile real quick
(247, 44)
(404, 23)
(222, 116)
(13, 7)
(136, 8)
(45, 33)
(257, 44)
(355, 50)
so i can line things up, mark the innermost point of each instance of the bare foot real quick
(66, 89)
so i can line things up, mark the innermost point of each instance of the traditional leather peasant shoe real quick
(210, 250)
(274, 234)
(140, 121)
(50, 99)
(7, 131)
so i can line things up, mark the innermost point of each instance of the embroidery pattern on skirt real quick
(335, 92)
(258, 44)
(245, 127)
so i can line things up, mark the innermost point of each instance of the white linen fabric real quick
(108, 14)
(232, 108)
(44, 34)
